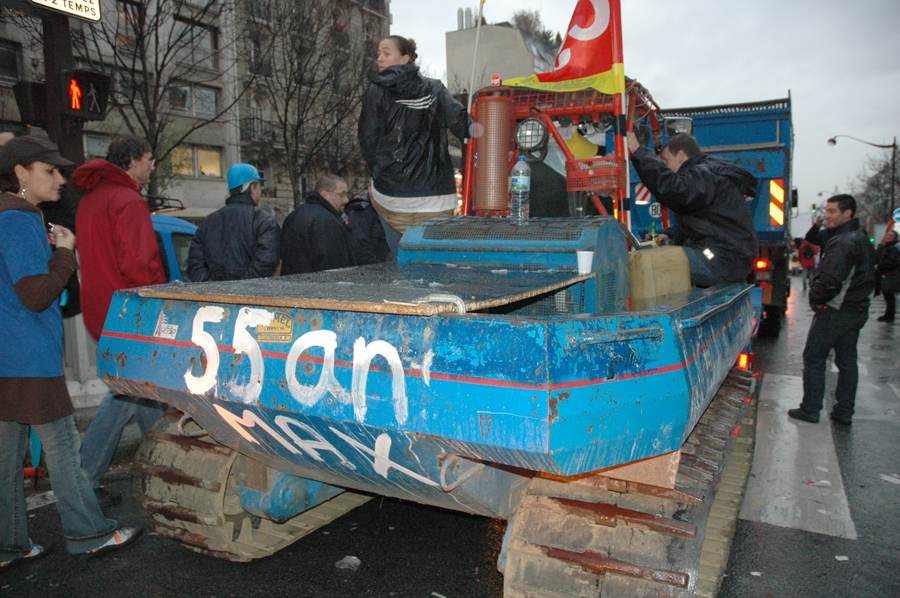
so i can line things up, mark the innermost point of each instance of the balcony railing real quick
(256, 130)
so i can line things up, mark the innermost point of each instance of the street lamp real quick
(893, 147)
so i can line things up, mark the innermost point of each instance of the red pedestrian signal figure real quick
(75, 94)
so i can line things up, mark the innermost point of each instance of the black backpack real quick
(807, 251)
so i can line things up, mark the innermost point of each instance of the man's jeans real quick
(838, 330)
(83, 522)
(102, 437)
(809, 273)
(701, 274)
(392, 237)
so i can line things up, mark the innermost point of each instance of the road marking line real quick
(863, 369)
(40, 500)
(789, 455)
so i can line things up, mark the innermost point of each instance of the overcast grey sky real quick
(840, 61)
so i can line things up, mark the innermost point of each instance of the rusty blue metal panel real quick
(379, 402)
(631, 387)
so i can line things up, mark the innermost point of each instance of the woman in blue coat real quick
(33, 389)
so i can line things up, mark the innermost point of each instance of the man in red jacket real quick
(118, 251)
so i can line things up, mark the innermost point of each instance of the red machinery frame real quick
(608, 173)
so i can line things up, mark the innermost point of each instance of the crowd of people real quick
(412, 180)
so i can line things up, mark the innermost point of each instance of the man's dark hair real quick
(327, 182)
(845, 202)
(683, 143)
(126, 148)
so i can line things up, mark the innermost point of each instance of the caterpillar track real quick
(604, 537)
(187, 488)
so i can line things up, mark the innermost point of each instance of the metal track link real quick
(598, 537)
(186, 489)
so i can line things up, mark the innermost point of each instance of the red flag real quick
(590, 56)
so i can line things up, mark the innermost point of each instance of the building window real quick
(257, 10)
(259, 64)
(129, 15)
(96, 146)
(196, 161)
(195, 100)
(10, 61)
(198, 44)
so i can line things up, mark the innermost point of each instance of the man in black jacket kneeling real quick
(708, 195)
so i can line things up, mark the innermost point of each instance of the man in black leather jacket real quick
(839, 295)
(707, 194)
(888, 267)
(239, 241)
(315, 237)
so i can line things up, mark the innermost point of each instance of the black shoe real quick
(107, 498)
(844, 421)
(886, 318)
(802, 415)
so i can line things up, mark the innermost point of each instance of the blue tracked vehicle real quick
(480, 372)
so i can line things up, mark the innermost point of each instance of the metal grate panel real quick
(606, 291)
(567, 302)
(465, 228)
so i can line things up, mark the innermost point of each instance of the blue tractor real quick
(482, 371)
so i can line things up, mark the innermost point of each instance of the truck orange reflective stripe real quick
(776, 206)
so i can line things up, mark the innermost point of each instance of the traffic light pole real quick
(59, 65)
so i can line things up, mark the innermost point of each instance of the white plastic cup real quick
(585, 261)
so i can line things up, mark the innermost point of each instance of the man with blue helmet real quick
(239, 241)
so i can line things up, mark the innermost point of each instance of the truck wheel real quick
(187, 489)
(771, 324)
(600, 537)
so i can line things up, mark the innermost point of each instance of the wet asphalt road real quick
(794, 563)
(409, 550)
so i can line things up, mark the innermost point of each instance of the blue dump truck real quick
(759, 137)
(593, 407)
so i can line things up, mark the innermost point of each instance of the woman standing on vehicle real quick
(403, 135)
(33, 389)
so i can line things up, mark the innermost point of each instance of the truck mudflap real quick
(598, 536)
(190, 489)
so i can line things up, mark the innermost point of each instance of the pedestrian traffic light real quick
(814, 208)
(86, 95)
(31, 99)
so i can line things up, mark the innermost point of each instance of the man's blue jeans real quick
(838, 330)
(102, 437)
(83, 523)
(809, 272)
(701, 274)
(392, 237)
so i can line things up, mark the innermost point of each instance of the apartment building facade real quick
(202, 78)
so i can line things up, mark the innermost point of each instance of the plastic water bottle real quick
(521, 190)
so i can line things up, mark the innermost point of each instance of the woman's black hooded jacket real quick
(402, 132)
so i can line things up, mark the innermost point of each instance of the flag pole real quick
(475, 56)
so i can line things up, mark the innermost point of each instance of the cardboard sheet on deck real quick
(389, 288)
